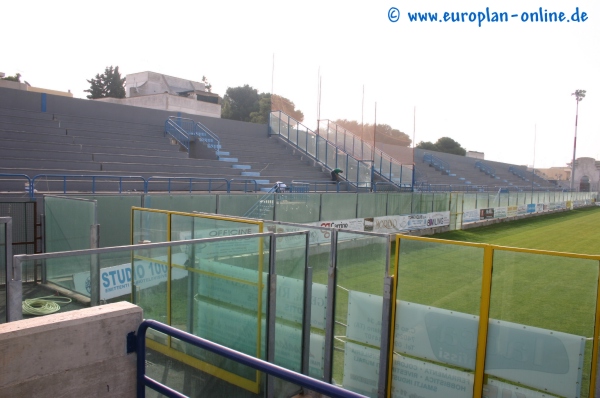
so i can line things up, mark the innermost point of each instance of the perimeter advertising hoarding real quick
(115, 281)
(540, 358)
(470, 216)
(500, 212)
(234, 247)
(486, 214)
(394, 224)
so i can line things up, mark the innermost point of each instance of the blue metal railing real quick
(27, 186)
(245, 182)
(94, 178)
(384, 165)
(357, 172)
(178, 133)
(486, 168)
(197, 129)
(322, 186)
(144, 381)
(213, 183)
(436, 163)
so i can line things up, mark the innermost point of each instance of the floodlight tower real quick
(579, 95)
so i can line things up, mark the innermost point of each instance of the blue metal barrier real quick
(27, 188)
(191, 181)
(245, 182)
(178, 133)
(94, 178)
(144, 381)
(192, 128)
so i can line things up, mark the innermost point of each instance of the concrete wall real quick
(73, 354)
(168, 102)
(104, 110)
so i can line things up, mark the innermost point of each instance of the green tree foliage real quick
(246, 104)
(108, 84)
(444, 144)
(207, 85)
(385, 133)
(15, 78)
(286, 106)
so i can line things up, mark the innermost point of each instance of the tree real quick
(283, 104)
(239, 103)
(246, 104)
(444, 144)
(15, 78)
(264, 108)
(207, 85)
(385, 133)
(108, 84)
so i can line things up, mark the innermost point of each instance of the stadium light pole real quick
(579, 95)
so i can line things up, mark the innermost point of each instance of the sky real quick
(501, 88)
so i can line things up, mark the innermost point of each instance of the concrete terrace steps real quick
(24, 145)
(88, 121)
(55, 129)
(465, 167)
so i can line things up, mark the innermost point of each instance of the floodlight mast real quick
(579, 95)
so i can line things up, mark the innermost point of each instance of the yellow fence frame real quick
(167, 349)
(484, 306)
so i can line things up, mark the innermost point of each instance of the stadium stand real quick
(85, 137)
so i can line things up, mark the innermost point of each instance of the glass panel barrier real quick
(311, 145)
(399, 203)
(185, 203)
(319, 253)
(352, 174)
(331, 156)
(321, 149)
(302, 136)
(436, 325)
(112, 210)
(3, 289)
(238, 205)
(298, 207)
(541, 328)
(335, 207)
(364, 174)
(361, 269)
(372, 205)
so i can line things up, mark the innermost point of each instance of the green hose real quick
(40, 306)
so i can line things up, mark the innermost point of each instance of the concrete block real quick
(72, 354)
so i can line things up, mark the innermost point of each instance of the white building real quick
(157, 91)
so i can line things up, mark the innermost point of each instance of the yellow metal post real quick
(394, 277)
(594, 370)
(484, 314)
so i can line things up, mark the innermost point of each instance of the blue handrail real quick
(322, 150)
(178, 133)
(487, 169)
(384, 164)
(190, 180)
(28, 187)
(245, 182)
(437, 163)
(197, 129)
(65, 177)
(144, 381)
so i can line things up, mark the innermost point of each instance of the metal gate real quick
(26, 234)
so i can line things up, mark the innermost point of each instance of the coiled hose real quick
(42, 306)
